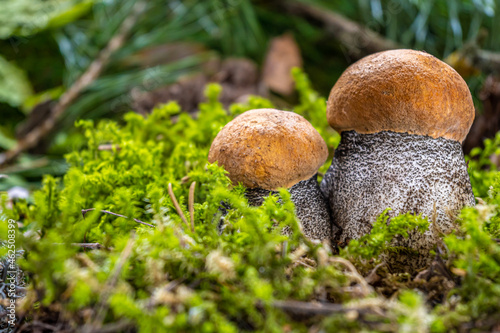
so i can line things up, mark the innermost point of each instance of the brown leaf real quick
(282, 56)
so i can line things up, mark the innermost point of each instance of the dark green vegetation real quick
(170, 276)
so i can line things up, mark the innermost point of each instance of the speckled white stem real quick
(311, 208)
(408, 173)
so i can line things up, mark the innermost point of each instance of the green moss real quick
(178, 280)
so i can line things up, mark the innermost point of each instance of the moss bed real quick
(83, 268)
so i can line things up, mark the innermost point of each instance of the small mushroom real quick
(267, 149)
(402, 115)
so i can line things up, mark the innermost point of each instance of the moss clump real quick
(251, 277)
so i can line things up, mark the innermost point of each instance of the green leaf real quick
(28, 17)
(15, 87)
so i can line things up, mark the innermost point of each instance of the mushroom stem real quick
(311, 208)
(405, 172)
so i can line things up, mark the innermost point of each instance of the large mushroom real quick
(402, 115)
(267, 149)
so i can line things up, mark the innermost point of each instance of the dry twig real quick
(308, 308)
(176, 204)
(366, 288)
(91, 246)
(119, 326)
(85, 211)
(109, 146)
(102, 306)
(361, 41)
(38, 324)
(373, 277)
(191, 204)
(320, 309)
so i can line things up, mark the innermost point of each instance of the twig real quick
(354, 273)
(36, 323)
(441, 265)
(372, 276)
(488, 61)
(93, 72)
(358, 40)
(191, 204)
(308, 308)
(84, 258)
(303, 263)
(108, 146)
(361, 41)
(176, 204)
(85, 211)
(92, 246)
(435, 225)
(102, 306)
(295, 308)
(38, 163)
(119, 326)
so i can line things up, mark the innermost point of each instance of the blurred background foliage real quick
(46, 45)
(68, 60)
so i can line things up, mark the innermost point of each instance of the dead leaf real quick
(282, 56)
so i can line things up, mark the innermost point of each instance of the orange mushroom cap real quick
(269, 149)
(403, 91)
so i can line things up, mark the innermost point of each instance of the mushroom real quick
(267, 149)
(402, 115)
